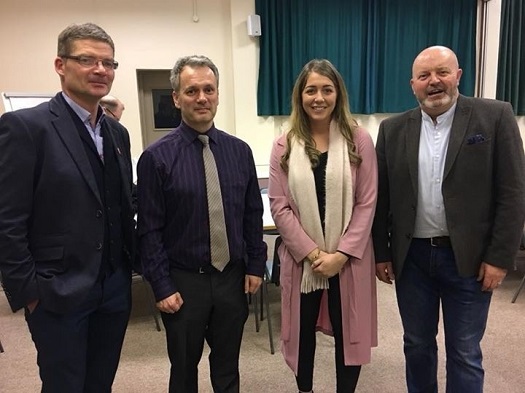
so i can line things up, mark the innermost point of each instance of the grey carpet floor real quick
(144, 366)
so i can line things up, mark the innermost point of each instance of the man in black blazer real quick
(449, 218)
(66, 220)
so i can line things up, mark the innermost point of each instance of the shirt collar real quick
(83, 114)
(190, 134)
(441, 118)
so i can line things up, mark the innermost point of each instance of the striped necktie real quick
(220, 253)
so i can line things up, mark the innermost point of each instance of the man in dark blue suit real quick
(66, 219)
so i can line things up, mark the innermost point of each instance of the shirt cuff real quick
(163, 288)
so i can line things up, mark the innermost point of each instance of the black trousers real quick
(215, 309)
(79, 352)
(347, 376)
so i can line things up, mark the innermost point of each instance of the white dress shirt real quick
(433, 144)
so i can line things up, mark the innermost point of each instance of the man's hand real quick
(252, 283)
(384, 272)
(328, 265)
(171, 304)
(491, 276)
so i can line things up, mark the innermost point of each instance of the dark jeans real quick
(429, 277)
(346, 376)
(79, 352)
(215, 309)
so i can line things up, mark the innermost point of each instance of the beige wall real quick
(148, 34)
(152, 34)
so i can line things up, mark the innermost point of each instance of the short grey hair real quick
(85, 31)
(193, 61)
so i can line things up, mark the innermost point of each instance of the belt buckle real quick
(432, 242)
(201, 270)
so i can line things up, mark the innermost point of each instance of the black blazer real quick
(483, 185)
(51, 213)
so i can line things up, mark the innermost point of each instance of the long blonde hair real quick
(300, 123)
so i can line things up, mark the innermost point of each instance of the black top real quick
(320, 185)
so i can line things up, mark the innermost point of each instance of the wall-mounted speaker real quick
(254, 25)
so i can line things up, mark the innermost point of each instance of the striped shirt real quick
(173, 209)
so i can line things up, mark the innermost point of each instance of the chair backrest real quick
(276, 265)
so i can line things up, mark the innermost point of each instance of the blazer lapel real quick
(457, 132)
(413, 132)
(67, 131)
(120, 151)
(84, 135)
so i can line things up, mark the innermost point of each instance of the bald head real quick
(436, 52)
(435, 79)
(113, 106)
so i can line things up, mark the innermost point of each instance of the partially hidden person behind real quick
(112, 106)
(200, 228)
(449, 219)
(322, 190)
(66, 221)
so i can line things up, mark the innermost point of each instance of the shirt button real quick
(99, 213)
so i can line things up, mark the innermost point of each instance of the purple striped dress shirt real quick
(173, 210)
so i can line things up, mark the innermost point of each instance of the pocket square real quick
(478, 138)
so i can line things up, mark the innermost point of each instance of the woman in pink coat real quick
(323, 189)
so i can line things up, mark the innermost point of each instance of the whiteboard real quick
(14, 101)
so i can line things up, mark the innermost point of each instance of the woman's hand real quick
(328, 265)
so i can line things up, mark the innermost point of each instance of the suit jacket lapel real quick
(457, 132)
(413, 132)
(84, 135)
(120, 152)
(67, 131)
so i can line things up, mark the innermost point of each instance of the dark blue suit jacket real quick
(51, 213)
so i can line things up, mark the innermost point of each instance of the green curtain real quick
(371, 42)
(511, 60)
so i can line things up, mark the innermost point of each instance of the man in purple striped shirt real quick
(197, 302)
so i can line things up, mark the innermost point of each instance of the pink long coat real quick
(357, 278)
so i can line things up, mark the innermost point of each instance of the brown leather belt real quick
(439, 241)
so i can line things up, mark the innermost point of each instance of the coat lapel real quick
(457, 132)
(413, 132)
(120, 153)
(67, 131)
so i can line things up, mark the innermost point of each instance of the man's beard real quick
(446, 100)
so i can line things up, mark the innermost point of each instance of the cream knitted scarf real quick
(339, 199)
